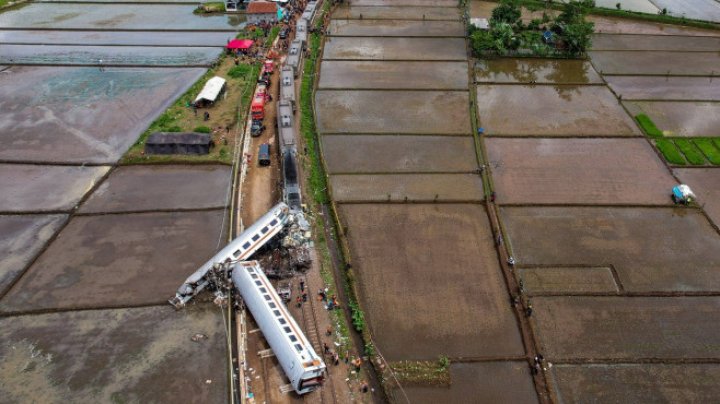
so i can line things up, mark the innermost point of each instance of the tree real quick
(508, 11)
(578, 37)
(574, 11)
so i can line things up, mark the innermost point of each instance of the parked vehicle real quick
(264, 154)
(682, 194)
(257, 128)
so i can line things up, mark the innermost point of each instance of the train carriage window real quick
(258, 283)
(273, 222)
(277, 313)
(267, 297)
(287, 330)
(272, 305)
(282, 321)
(255, 237)
(265, 229)
(237, 253)
(298, 347)
(246, 245)
(293, 338)
(254, 276)
(263, 290)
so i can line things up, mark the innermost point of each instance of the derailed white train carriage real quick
(302, 365)
(287, 84)
(240, 249)
(301, 32)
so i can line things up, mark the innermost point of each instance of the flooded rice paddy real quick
(565, 110)
(578, 171)
(681, 118)
(665, 88)
(407, 187)
(705, 182)
(350, 48)
(656, 63)
(33, 188)
(556, 71)
(387, 28)
(112, 38)
(620, 42)
(394, 75)
(422, 13)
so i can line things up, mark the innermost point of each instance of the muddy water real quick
(396, 28)
(393, 112)
(665, 88)
(116, 16)
(510, 70)
(124, 355)
(626, 238)
(394, 75)
(656, 62)
(705, 183)
(200, 39)
(681, 118)
(499, 382)
(21, 237)
(407, 187)
(140, 188)
(351, 48)
(641, 6)
(397, 13)
(610, 25)
(91, 55)
(433, 3)
(552, 110)
(654, 42)
(384, 154)
(117, 260)
(635, 383)
(53, 114)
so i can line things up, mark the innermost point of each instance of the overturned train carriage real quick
(301, 364)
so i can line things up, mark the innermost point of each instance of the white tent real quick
(212, 89)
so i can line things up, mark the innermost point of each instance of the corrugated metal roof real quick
(261, 7)
(211, 90)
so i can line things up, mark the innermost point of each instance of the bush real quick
(239, 71)
(174, 128)
(692, 154)
(709, 149)
(670, 152)
(202, 129)
(648, 125)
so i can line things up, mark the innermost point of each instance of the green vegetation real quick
(648, 125)
(570, 34)
(202, 129)
(692, 154)
(273, 34)
(210, 7)
(710, 149)
(423, 373)
(180, 116)
(670, 152)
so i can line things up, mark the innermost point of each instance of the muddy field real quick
(394, 75)
(638, 383)
(665, 88)
(396, 28)
(681, 118)
(707, 10)
(167, 187)
(611, 25)
(655, 42)
(487, 382)
(125, 355)
(355, 12)
(510, 70)
(641, 6)
(21, 238)
(111, 38)
(356, 48)
(578, 171)
(111, 56)
(116, 16)
(345, 154)
(568, 280)
(598, 327)
(706, 185)
(82, 114)
(410, 187)
(402, 253)
(33, 188)
(393, 112)
(552, 110)
(641, 243)
(656, 63)
(117, 260)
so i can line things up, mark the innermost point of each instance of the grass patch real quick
(692, 154)
(648, 126)
(210, 7)
(422, 373)
(180, 117)
(709, 149)
(670, 152)
(274, 31)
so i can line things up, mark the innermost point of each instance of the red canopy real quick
(242, 44)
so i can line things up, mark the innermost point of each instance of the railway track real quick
(327, 391)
